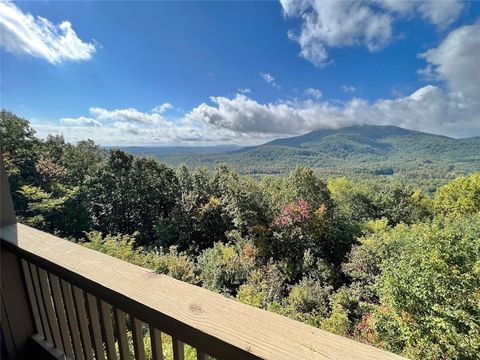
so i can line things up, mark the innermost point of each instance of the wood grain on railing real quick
(107, 326)
(95, 325)
(122, 334)
(72, 319)
(61, 315)
(156, 343)
(33, 301)
(41, 305)
(209, 322)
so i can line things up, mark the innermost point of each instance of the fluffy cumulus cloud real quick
(457, 61)
(127, 115)
(328, 24)
(25, 34)
(80, 121)
(450, 105)
(131, 126)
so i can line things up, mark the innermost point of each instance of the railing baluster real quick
(178, 349)
(47, 300)
(156, 343)
(137, 334)
(95, 324)
(61, 316)
(33, 301)
(122, 334)
(82, 320)
(72, 319)
(41, 305)
(108, 330)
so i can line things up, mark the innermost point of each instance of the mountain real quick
(362, 150)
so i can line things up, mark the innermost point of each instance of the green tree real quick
(429, 292)
(127, 195)
(18, 147)
(460, 196)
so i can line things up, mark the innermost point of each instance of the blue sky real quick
(239, 72)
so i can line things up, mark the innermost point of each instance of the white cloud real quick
(244, 91)
(451, 108)
(25, 34)
(128, 115)
(244, 115)
(328, 24)
(428, 109)
(80, 121)
(127, 127)
(331, 24)
(457, 61)
(131, 126)
(269, 79)
(440, 13)
(314, 93)
(160, 109)
(349, 88)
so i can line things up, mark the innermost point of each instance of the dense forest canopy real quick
(383, 262)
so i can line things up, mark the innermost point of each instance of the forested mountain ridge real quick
(362, 150)
(382, 262)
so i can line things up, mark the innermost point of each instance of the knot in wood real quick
(195, 309)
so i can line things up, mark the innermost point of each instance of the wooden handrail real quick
(215, 325)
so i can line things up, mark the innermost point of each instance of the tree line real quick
(381, 262)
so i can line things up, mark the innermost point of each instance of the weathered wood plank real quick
(156, 342)
(96, 329)
(47, 300)
(122, 334)
(72, 318)
(41, 305)
(79, 301)
(137, 335)
(61, 315)
(33, 300)
(108, 330)
(221, 327)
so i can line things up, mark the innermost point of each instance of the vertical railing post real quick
(16, 318)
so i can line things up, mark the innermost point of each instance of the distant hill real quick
(362, 150)
(175, 150)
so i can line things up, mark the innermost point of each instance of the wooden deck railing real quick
(80, 304)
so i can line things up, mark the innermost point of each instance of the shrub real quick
(264, 288)
(308, 301)
(172, 263)
(223, 268)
